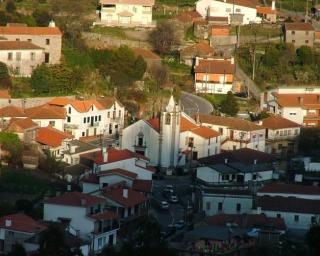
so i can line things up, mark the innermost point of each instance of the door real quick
(46, 57)
(95, 131)
(110, 242)
(194, 155)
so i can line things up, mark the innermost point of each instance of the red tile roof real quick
(288, 204)
(106, 215)
(46, 112)
(231, 122)
(20, 124)
(199, 49)
(300, 26)
(21, 222)
(18, 45)
(247, 220)
(154, 123)
(205, 132)
(189, 16)
(142, 185)
(118, 171)
(146, 54)
(246, 3)
(4, 94)
(39, 31)
(51, 136)
(81, 106)
(266, 10)
(77, 199)
(114, 155)
(12, 111)
(215, 67)
(116, 194)
(306, 101)
(278, 122)
(216, 18)
(186, 125)
(280, 188)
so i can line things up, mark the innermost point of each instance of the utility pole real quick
(254, 63)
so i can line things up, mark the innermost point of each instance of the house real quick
(216, 20)
(268, 13)
(126, 13)
(200, 29)
(237, 11)
(298, 104)
(149, 57)
(104, 160)
(299, 34)
(189, 17)
(281, 135)
(8, 112)
(298, 205)
(220, 36)
(229, 201)
(239, 167)
(189, 53)
(21, 57)
(16, 229)
(214, 75)
(86, 216)
(47, 39)
(90, 117)
(236, 133)
(25, 128)
(165, 139)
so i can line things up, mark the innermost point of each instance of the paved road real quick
(193, 104)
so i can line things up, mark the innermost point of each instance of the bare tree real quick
(160, 73)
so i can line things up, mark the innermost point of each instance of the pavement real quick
(193, 104)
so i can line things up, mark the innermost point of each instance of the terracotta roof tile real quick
(12, 111)
(142, 185)
(118, 171)
(20, 124)
(154, 123)
(266, 10)
(296, 100)
(54, 31)
(186, 125)
(288, 204)
(18, 45)
(299, 26)
(146, 54)
(114, 155)
(278, 122)
(247, 3)
(233, 123)
(21, 222)
(4, 94)
(216, 18)
(77, 199)
(116, 194)
(199, 49)
(215, 66)
(46, 112)
(205, 132)
(106, 215)
(280, 188)
(51, 136)
(81, 106)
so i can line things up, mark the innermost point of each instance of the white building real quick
(239, 167)
(236, 133)
(298, 104)
(86, 217)
(126, 13)
(228, 201)
(84, 118)
(298, 205)
(168, 139)
(237, 11)
(21, 57)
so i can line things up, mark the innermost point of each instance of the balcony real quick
(115, 119)
(71, 126)
(94, 124)
(107, 228)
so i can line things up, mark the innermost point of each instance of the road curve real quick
(193, 104)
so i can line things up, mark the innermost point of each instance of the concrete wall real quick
(300, 38)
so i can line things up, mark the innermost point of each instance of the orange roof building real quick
(51, 137)
(201, 49)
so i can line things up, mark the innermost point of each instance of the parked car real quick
(164, 205)
(173, 198)
(179, 224)
(168, 231)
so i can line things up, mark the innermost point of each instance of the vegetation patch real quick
(110, 31)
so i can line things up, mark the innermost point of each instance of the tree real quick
(10, 6)
(309, 141)
(25, 206)
(41, 80)
(160, 74)
(313, 239)
(164, 37)
(17, 250)
(42, 17)
(5, 80)
(305, 55)
(12, 144)
(229, 106)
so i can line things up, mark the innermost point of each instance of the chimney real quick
(318, 98)
(52, 24)
(197, 61)
(105, 154)
(226, 160)
(125, 193)
(300, 100)
(8, 223)
(83, 201)
(232, 60)
(255, 161)
(273, 5)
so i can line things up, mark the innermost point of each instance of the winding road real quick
(193, 104)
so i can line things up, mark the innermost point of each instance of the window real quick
(306, 41)
(100, 118)
(289, 132)
(285, 132)
(10, 55)
(220, 207)
(84, 120)
(208, 206)
(277, 132)
(209, 141)
(281, 133)
(88, 119)
(228, 9)
(254, 136)
(168, 118)
(46, 57)
(69, 119)
(32, 55)
(279, 146)
(278, 215)
(190, 142)
(18, 56)
(30, 40)
(293, 41)
(293, 32)
(47, 41)
(208, 152)
(96, 118)
(234, 147)
(261, 135)
(52, 123)
(100, 242)
(296, 218)
(17, 71)
(119, 113)
(108, 114)
(238, 207)
(254, 176)
(69, 110)
(134, 9)
(238, 10)
(114, 114)
(313, 219)
(140, 141)
(221, 131)
(292, 113)
(83, 134)
(17, 39)
(296, 131)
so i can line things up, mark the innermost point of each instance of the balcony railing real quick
(71, 126)
(95, 124)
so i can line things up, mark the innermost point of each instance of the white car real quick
(173, 199)
(164, 205)
(179, 224)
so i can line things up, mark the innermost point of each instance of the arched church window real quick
(168, 118)
(140, 139)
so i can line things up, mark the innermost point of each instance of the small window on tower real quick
(168, 118)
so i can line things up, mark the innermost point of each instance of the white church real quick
(172, 139)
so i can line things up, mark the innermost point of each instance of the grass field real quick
(110, 31)
(258, 30)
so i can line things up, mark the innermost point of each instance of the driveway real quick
(193, 104)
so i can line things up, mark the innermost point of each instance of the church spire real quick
(171, 104)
